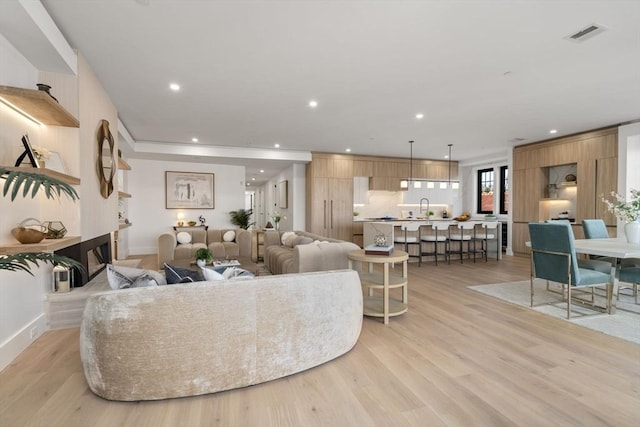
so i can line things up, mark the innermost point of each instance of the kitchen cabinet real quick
(360, 190)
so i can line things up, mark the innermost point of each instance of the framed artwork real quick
(189, 190)
(28, 152)
(283, 194)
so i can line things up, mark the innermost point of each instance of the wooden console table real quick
(384, 306)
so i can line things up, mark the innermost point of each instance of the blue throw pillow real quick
(181, 275)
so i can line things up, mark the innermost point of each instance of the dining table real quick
(616, 249)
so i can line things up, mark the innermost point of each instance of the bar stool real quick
(406, 239)
(465, 233)
(489, 232)
(440, 235)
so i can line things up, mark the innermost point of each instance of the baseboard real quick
(133, 251)
(15, 345)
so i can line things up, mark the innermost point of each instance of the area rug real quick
(625, 323)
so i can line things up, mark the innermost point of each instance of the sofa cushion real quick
(302, 240)
(127, 277)
(290, 241)
(183, 237)
(211, 274)
(229, 236)
(285, 236)
(176, 274)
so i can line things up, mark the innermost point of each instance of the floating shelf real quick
(37, 104)
(123, 225)
(123, 195)
(47, 245)
(68, 179)
(123, 165)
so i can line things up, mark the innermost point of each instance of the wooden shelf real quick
(123, 225)
(39, 105)
(123, 165)
(68, 179)
(47, 245)
(123, 195)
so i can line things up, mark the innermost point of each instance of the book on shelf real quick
(378, 250)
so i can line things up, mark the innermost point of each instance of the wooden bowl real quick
(28, 235)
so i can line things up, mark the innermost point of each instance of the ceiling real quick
(484, 74)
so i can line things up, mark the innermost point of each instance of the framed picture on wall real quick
(283, 194)
(189, 190)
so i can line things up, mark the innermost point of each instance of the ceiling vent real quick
(586, 33)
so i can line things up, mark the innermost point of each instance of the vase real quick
(632, 231)
(201, 263)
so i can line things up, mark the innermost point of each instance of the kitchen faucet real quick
(428, 203)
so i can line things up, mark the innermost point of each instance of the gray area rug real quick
(625, 323)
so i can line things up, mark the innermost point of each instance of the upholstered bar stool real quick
(408, 238)
(489, 232)
(440, 235)
(462, 233)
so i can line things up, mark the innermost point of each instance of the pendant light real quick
(406, 183)
(455, 185)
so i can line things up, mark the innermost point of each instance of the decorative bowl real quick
(29, 231)
(192, 223)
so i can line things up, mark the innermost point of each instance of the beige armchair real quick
(239, 247)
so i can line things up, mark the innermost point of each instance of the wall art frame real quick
(283, 194)
(189, 190)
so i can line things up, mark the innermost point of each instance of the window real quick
(485, 191)
(504, 190)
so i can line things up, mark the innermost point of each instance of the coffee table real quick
(240, 262)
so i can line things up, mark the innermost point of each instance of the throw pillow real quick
(302, 240)
(285, 236)
(126, 277)
(183, 237)
(290, 241)
(229, 236)
(211, 274)
(180, 275)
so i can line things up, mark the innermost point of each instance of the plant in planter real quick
(32, 182)
(241, 218)
(203, 256)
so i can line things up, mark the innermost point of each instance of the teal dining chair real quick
(553, 258)
(631, 275)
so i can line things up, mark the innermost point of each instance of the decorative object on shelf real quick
(445, 214)
(203, 256)
(189, 190)
(52, 187)
(61, 279)
(241, 218)
(47, 89)
(563, 215)
(180, 218)
(55, 229)
(628, 212)
(192, 223)
(202, 220)
(283, 194)
(553, 191)
(106, 165)
(28, 152)
(29, 231)
(570, 178)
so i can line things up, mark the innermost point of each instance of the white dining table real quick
(616, 249)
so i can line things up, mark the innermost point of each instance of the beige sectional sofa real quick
(169, 249)
(306, 252)
(205, 337)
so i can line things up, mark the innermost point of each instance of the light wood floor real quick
(457, 358)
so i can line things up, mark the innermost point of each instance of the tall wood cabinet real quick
(330, 195)
(595, 155)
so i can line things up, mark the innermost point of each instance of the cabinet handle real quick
(331, 217)
(324, 215)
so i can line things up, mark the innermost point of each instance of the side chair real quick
(407, 239)
(553, 257)
(440, 235)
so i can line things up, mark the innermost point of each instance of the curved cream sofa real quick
(205, 337)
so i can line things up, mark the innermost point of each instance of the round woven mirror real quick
(106, 161)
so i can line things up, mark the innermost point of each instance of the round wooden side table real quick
(384, 306)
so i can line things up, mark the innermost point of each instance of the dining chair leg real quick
(568, 301)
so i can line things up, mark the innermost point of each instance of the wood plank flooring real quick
(457, 358)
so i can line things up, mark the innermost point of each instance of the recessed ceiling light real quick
(276, 145)
(174, 87)
(194, 139)
(348, 150)
(261, 170)
(553, 131)
(419, 116)
(313, 103)
(253, 179)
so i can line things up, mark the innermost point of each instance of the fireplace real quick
(93, 254)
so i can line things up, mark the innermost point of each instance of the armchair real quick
(553, 257)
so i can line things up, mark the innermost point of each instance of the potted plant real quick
(203, 256)
(241, 218)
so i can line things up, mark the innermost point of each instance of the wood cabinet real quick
(595, 155)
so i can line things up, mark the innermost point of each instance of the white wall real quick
(147, 209)
(293, 216)
(628, 161)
